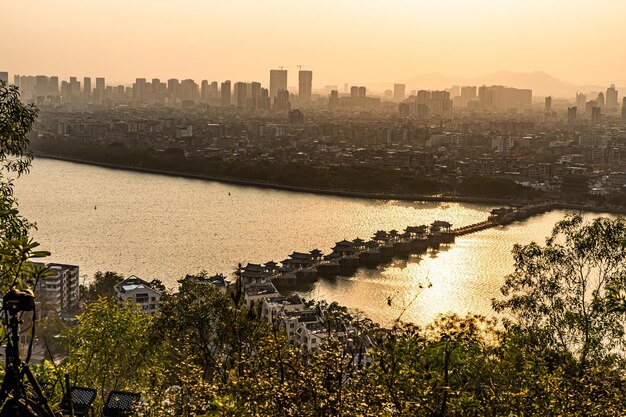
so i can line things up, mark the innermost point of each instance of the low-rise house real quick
(290, 321)
(139, 292)
(257, 292)
(310, 336)
(219, 281)
(272, 307)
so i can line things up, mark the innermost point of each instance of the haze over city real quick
(360, 42)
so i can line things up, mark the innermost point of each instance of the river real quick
(164, 227)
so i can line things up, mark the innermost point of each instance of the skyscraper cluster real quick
(245, 95)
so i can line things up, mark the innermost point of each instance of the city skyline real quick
(361, 43)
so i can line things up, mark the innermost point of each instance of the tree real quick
(557, 295)
(110, 348)
(16, 121)
(102, 286)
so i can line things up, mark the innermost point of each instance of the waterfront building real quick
(258, 292)
(139, 292)
(272, 307)
(58, 292)
(291, 321)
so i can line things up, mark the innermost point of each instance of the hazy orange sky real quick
(355, 41)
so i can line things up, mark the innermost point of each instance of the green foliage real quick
(110, 349)
(16, 120)
(102, 285)
(495, 188)
(558, 292)
(366, 179)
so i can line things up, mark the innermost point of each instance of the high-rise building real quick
(305, 85)
(204, 90)
(278, 81)
(4, 76)
(225, 94)
(399, 92)
(254, 89)
(139, 90)
(214, 94)
(497, 97)
(74, 87)
(41, 86)
(281, 102)
(100, 88)
(611, 97)
(548, 104)
(53, 85)
(354, 95)
(87, 87)
(571, 113)
(240, 92)
(581, 100)
(362, 100)
(600, 100)
(59, 291)
(333, 100)
(156, 87)
(172, 90)
(264, 99)
(468, 93)
(596, 114)
(189, 90)
(624, 110)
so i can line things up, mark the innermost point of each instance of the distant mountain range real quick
(541, 83)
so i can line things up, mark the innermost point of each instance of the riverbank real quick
(276, 186)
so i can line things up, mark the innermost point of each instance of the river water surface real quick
(163, 227)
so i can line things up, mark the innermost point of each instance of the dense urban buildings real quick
(446, 135)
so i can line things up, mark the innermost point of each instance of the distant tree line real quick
(356, 178)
